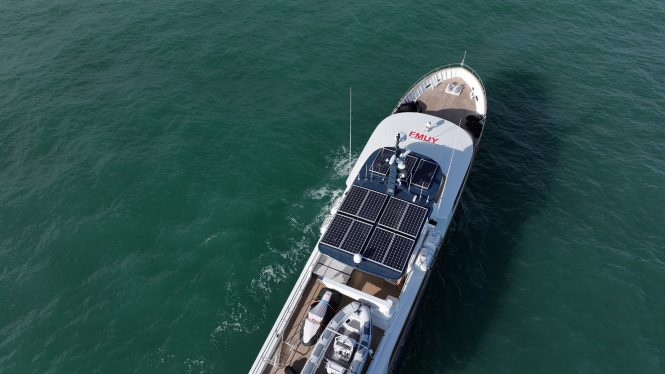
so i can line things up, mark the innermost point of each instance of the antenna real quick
(445, 182)
(350, 108)
(463, 58)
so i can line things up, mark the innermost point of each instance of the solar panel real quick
(378, 245)
(403, 217)
(412, 220)
(353, 200)
(409, 162)
(356, 236)
(346, 233)
(383, 228)
(424, 173)
(380, 165)
(398, 253)
(337, 230)
(392, 216)
(372, 206)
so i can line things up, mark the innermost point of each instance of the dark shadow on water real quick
(509, 183)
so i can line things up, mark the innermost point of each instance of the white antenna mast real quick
(445, 182)
(350, 107)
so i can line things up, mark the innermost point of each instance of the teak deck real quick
(449, 107)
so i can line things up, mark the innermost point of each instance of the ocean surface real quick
(165, 167)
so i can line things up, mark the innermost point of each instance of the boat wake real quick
(283, 250)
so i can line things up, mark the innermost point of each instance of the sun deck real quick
(291, 350)
(455, 94)
(453, 108)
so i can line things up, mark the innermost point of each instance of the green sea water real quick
(165, 167)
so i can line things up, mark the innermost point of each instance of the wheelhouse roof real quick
(450, 146)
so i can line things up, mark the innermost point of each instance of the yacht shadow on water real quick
(508, 183)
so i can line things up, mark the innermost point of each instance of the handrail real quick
(282, 322)
(453, 65)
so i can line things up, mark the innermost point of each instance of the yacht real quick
(351, 309)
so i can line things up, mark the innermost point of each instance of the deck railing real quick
(423, 83)
(280, 325)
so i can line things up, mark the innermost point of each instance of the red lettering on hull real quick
(423, 137)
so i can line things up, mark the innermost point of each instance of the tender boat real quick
(344, 345)
(381, 238)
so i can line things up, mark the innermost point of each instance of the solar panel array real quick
(353, 200)
(409, 162)
(363, 203)
(403, 217)
(337, 230)
(378, 245)
(389, 249)
(419, 172)
(372, 206)
(399, 252)
(393, 238)
(346, 234)
(356, 236)
(413, 218)
(424, 173)
(380, 164)
(393, 214)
